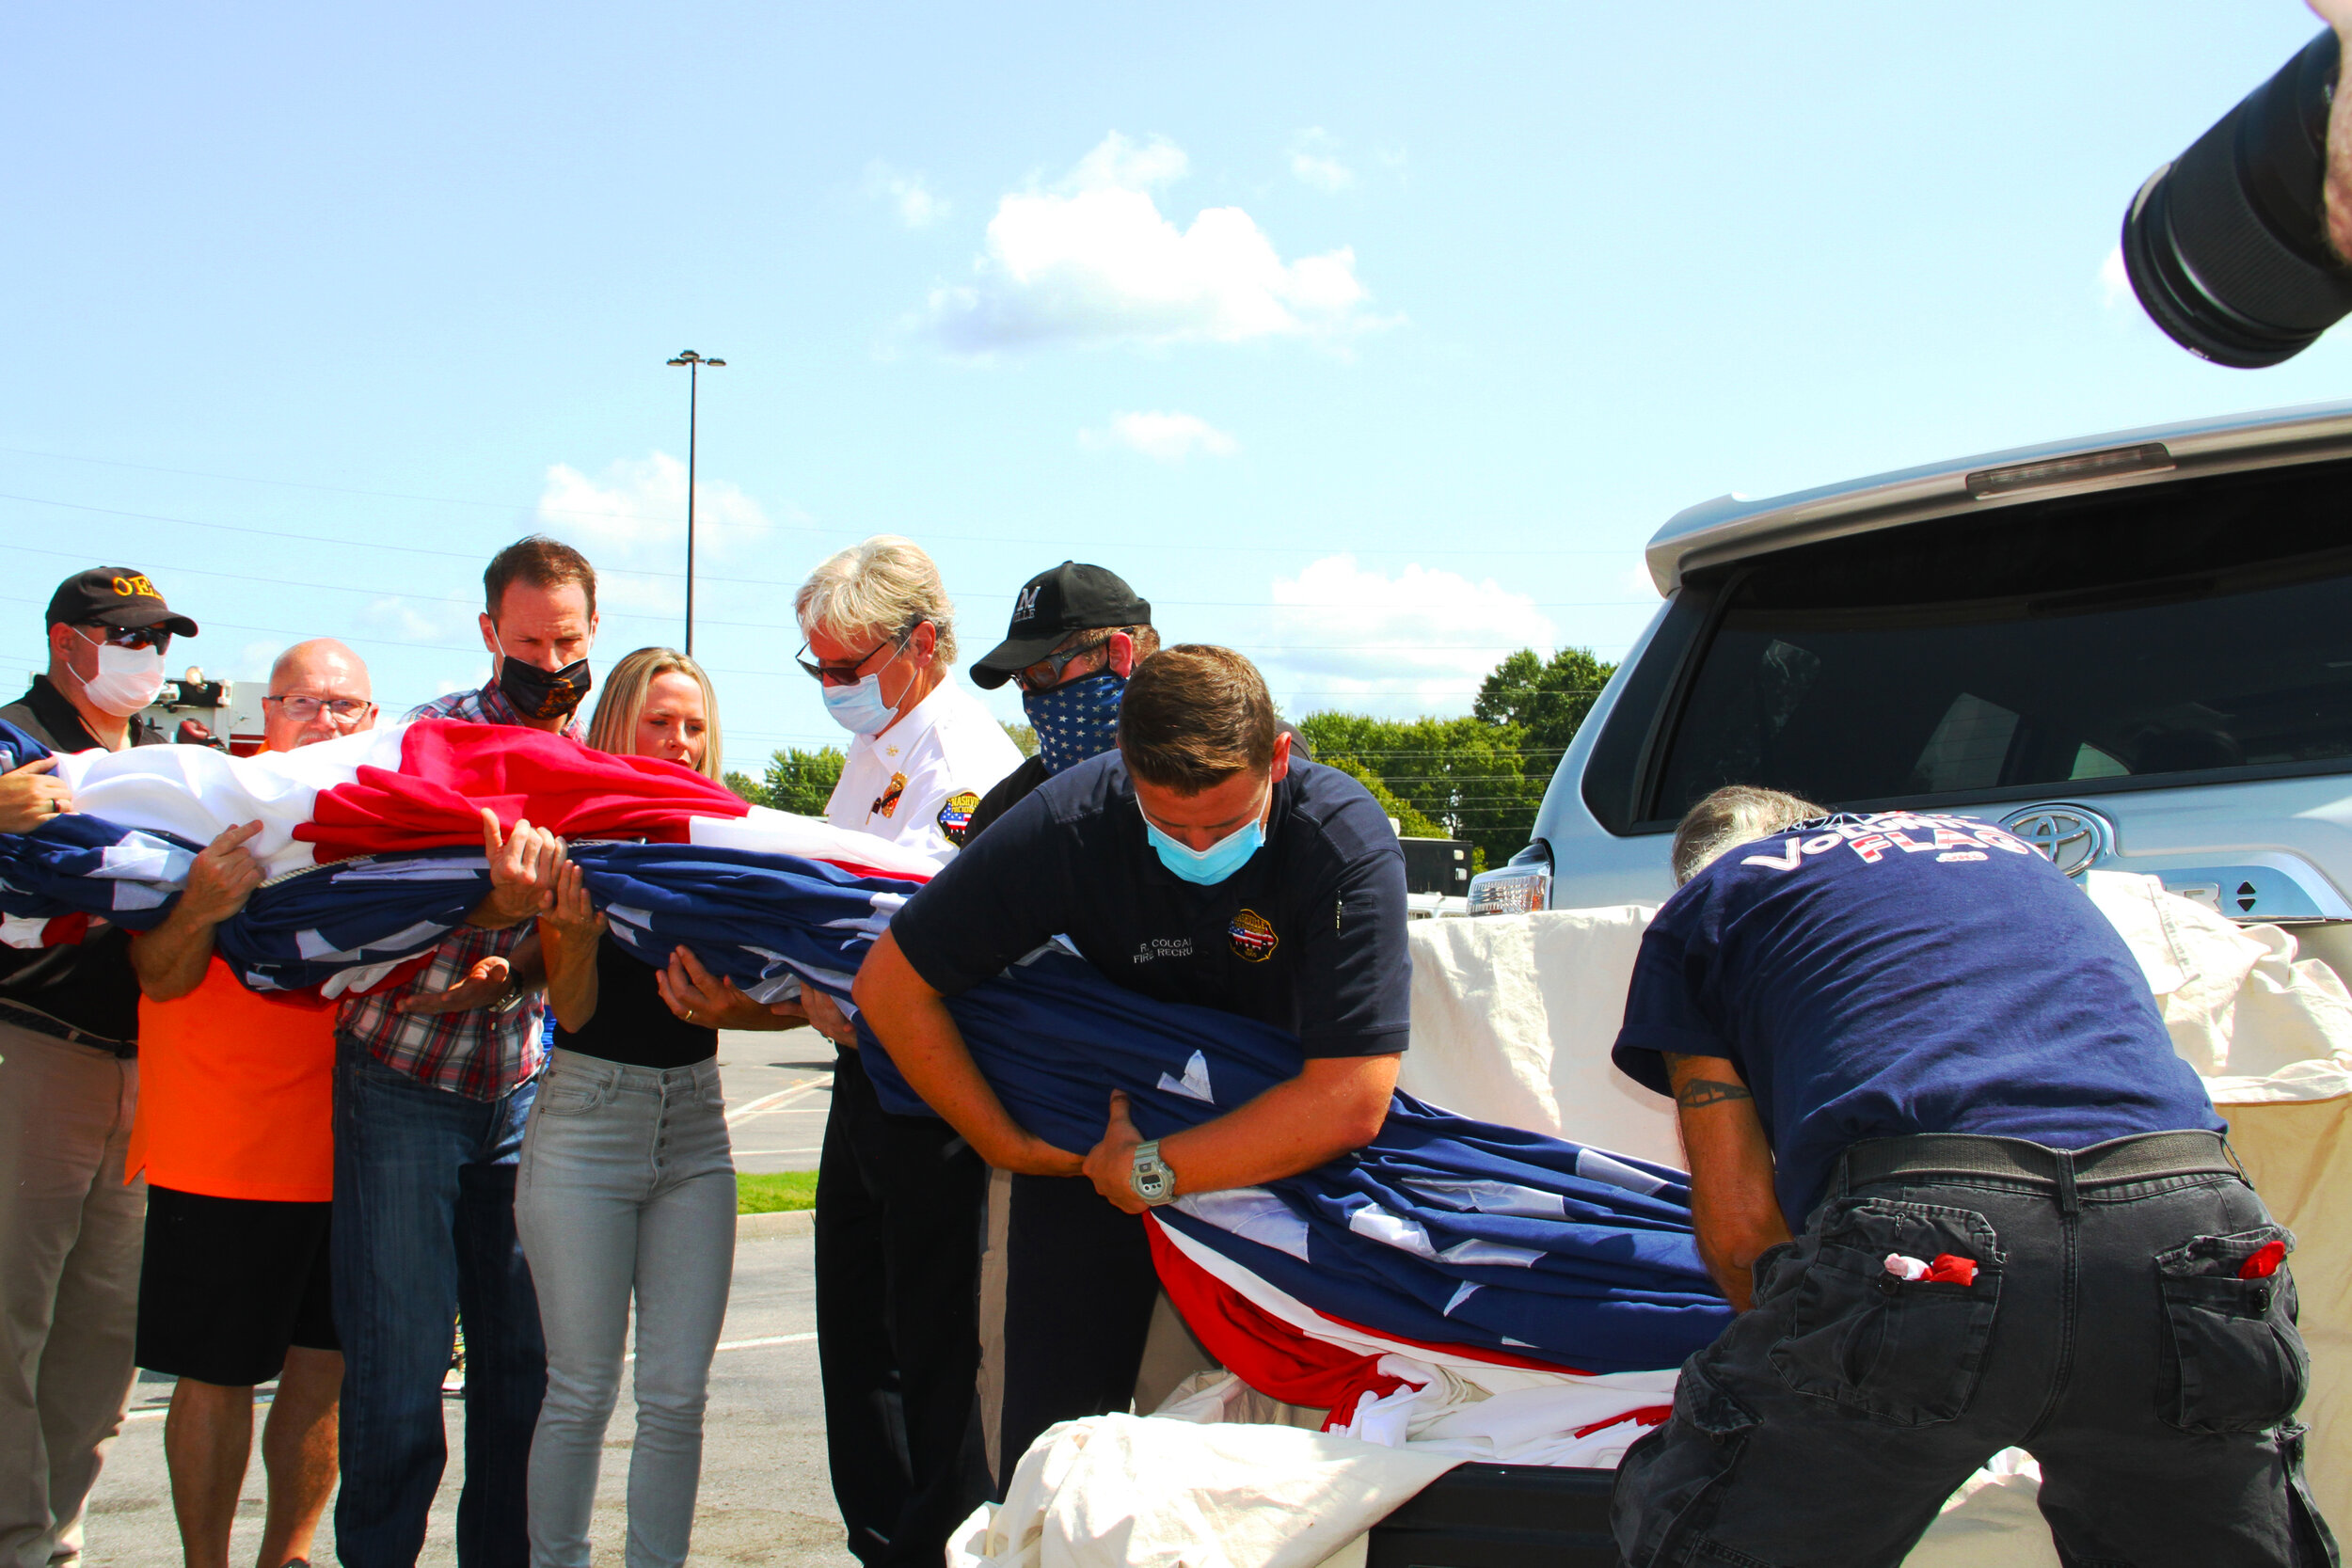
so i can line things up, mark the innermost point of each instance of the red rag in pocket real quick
(2263, 1262)
(1951, 1269)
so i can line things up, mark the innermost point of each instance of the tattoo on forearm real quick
(1709, 1091)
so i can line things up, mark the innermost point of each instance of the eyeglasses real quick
(847, 673)
(1046, 673)
(346, 710)
(132, 637)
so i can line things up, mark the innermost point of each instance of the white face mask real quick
(127, 680)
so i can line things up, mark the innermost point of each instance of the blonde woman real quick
(627, 1183)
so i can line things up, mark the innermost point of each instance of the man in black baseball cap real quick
(70, 1228)
(1077, 632)
(1066, 1301)
(109, 632)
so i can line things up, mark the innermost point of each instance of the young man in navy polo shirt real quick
(1201, 863)
(1945, 1163)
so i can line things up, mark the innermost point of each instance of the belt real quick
(41, 1023)
(2146, 1157)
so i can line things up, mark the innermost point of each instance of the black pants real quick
(1079, 1287)
(898, 1208)
(2106, 1332)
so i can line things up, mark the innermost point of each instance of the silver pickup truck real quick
(2133, 651)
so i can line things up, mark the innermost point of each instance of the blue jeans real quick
(628, 1188)
(423, 1231)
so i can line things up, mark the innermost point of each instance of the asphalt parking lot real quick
(765, 1498)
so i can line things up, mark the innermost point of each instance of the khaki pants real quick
(70, 1234)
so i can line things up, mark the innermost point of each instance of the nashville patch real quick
(887, 802)
(954, 818)
(1252, 937)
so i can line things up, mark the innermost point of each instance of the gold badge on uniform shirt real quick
(954, 818)
(1251, 936)
(888, 801)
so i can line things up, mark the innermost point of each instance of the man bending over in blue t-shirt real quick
(1909, 1043)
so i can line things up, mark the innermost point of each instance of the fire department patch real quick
(887, 802)
(954, 818)
(1252, 937)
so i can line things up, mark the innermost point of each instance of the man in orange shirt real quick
(235, 1134)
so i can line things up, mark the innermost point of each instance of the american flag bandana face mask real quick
(1077, 720)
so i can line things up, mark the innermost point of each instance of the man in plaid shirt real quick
(434, 1083)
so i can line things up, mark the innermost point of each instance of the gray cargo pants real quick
(71, 1235)
(2108, 1333)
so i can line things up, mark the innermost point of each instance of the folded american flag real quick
(1443, 1240)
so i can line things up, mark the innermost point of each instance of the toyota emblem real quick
(2073, 838)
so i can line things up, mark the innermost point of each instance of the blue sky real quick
(1372, 339)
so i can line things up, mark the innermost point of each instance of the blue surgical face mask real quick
(1205, 867)
(1077, 720)
(859, 708)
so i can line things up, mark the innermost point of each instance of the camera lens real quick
(2227, 244)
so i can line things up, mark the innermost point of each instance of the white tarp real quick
(1513, 1017)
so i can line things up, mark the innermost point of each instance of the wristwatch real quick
(1151, 1179)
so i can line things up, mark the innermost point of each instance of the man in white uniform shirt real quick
(899, 1198)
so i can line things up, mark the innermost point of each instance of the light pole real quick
(693, 363)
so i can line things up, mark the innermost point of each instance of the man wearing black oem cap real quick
(1067, 1285)
(71, 1230)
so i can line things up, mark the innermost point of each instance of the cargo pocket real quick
(1905, 1352)
(1669, 1485)
(2232, 1358)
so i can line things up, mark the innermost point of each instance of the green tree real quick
(798, 782)
(1411, 821)
(1465, 773)
(1022, 736)
(1546, 701)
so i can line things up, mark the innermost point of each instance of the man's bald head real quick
(313, 674)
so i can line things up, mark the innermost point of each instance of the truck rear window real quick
(2203, 628)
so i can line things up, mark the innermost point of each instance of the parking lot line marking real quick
(750, 1344)
(767, 1102)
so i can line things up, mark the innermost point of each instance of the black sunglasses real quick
(847, 674)
(1054, 664)
(130, 637)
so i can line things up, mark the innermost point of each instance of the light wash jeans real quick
(628, 1187)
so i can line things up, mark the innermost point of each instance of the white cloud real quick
(630, 522)
(400, 619)
(1348, 636)
(1314, 160)
(2115, 283)
(916, 205)
(1169, 437)
(1092, 261)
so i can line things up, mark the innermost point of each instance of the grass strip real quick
(775, 1192)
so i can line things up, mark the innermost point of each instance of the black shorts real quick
(229, 1283)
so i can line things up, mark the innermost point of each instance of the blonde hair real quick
(622, 703)
(882, 587)
(1732, 815)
